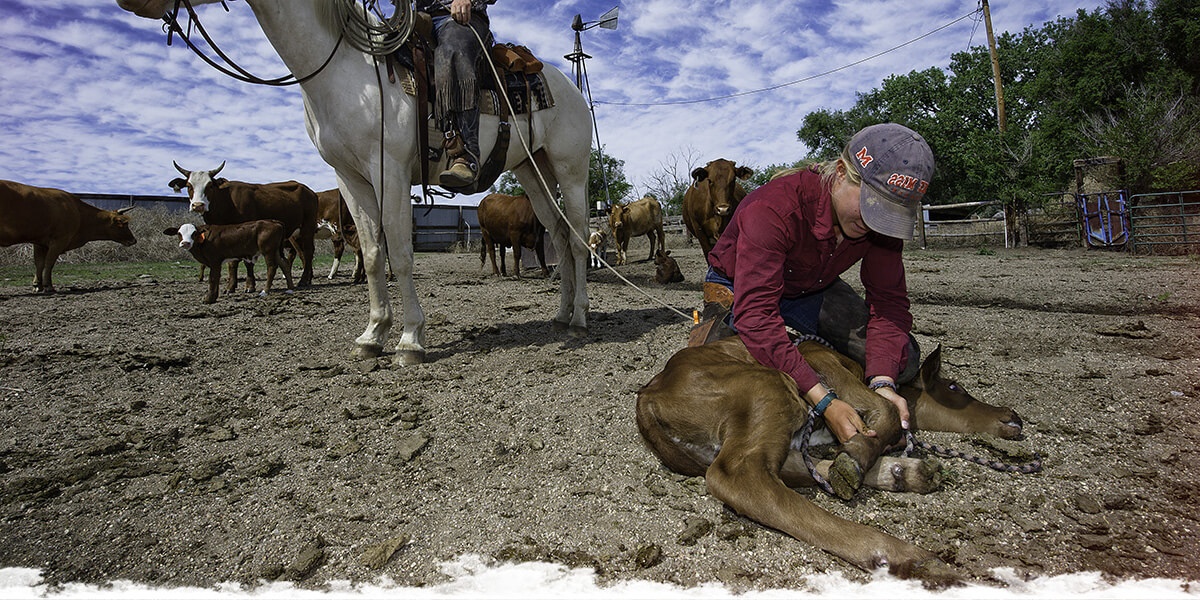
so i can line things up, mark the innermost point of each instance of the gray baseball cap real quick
(896, 165)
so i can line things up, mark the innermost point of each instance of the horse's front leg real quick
(398, 224)
(360, 199)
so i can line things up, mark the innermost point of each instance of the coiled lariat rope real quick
(377, 36)
(910, 439)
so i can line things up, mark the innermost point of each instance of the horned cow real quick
(225, 202)
(55, 221)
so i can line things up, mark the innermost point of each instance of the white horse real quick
(344, 106)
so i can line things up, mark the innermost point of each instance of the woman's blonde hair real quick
(828, 170)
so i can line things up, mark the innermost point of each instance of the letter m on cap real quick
(864, 159)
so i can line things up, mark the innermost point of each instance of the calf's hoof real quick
(933, 573)
(845, 476)
(898, 474)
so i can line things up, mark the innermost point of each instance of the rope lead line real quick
(550, 194)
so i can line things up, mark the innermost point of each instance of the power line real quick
(791, 83)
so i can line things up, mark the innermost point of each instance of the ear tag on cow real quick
(695, 317)
(200, 238)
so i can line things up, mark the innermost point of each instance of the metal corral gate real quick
(441, 228)
(1105, 219)
(960, 229)
(1165, 223)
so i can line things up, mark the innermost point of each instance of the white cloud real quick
(92, 99)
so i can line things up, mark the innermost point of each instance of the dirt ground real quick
(149, 437)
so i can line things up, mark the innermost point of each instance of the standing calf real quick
(212, 245)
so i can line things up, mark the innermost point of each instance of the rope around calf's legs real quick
(1029, 467)
(808, 463)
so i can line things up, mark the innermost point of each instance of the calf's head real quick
(188, 235)
(720, 178)
(199, 183)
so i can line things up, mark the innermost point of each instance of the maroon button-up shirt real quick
(781, 243)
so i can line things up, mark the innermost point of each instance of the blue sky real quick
(93, 100)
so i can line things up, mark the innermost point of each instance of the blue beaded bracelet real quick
(819, 409)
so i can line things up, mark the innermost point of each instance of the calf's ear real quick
(932, 367)
(744, 172)
(171, 231)
(699, 173)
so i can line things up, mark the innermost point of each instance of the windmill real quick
(608, 20)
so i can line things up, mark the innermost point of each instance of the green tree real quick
(612, 169)
(1179, 27)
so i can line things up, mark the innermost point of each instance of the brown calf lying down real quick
(715, 411)
(666, 270)
(212, 245)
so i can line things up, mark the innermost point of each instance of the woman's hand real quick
(845, 422)
(896, 399)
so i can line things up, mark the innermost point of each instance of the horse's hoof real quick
(577, 332)
(409, 357)
(367, 351)
(845, 476)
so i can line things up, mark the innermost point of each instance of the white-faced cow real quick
(641, 217)
(510, 221)
(212, 245)
(224, 202)
(596, 243)
(709, 202)
(55, 221)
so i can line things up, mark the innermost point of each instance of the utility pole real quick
(987, 19)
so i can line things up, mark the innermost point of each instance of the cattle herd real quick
(55, 221)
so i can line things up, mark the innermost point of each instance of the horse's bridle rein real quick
(171, 26)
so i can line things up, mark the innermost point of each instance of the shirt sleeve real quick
(882, 275)
(757, 291)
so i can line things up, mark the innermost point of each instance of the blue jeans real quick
(801, 314)
(842, 321)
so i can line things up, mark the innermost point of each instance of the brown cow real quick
(212, 245)
(55, 221)
(224, 202)
(509, 221)
(641, 217)
(335, 224)
(717, 412)
(666, 270)
(709, 202)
